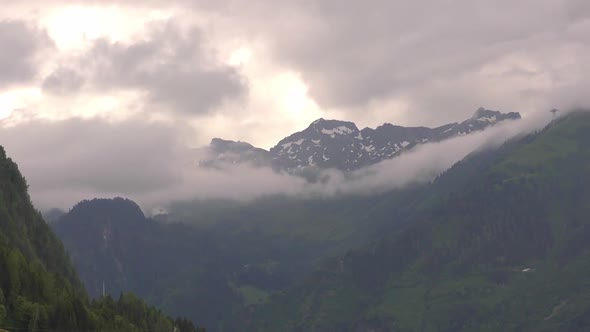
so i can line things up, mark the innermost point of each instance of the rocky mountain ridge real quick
(341, 145)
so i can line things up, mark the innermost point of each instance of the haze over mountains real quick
(156, 168)
(449, 254)
(296, 166)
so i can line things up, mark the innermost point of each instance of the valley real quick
(268, 257)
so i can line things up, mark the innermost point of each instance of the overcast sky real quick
(181, 72)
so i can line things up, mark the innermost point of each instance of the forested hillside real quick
(212, 261)
(469, 251)
(39, 289)
(499, 244)
(177, 268)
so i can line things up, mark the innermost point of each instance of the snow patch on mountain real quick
(342, 130)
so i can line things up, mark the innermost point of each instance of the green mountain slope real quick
(505, 250)
(211, 260)
(39, 289)
(222, 258)
(173, 266)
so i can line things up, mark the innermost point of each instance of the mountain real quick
(39, 288)
(99, 234)
(222, 152)
(210, 260)
(174, 267)
(341, 145)
(498, 243)
(226, 256)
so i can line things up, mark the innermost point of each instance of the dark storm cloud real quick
(20, 46)
(352, 52)
(435, 56)
(443, 58)
(578, 9)
(63, 81)
(169, 66)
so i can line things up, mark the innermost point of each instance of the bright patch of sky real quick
(73, 27)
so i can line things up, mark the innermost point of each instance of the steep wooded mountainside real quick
(507, 249)
(225, 257)
(454, 253)
(39, 288)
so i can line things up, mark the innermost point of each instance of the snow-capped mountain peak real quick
(341, 145)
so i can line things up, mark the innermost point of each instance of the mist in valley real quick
(149, 162)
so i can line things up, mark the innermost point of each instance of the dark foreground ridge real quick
(39, 288)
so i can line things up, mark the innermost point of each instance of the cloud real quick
(425, 162)
(578, 10)
(63, 81)
(426, 63)
(67, 161)
(422, 63)
(125, 157)
(351, 53)
(21, 46)
(169, 66)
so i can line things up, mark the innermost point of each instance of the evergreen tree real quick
(39, 289)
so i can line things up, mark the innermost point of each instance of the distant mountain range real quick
(341, 145)
(496, 243)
